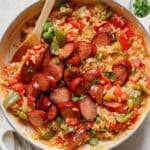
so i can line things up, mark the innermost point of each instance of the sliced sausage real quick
(122, 70)
(66, 51)
(42, 80)
(43, 103)
(52, 112)
(84, 49)
(60, 95)
(96, 93)
(103, 39)
(33, 89)
(70, 74)
(54, 68)
(27, 71)
(46, 58)
(39, 60)
(79, 86)
(93, 74)
(71, 115)
(88, 109)
(37, 117)
(116, 107)
(77, 138)
(75, 60)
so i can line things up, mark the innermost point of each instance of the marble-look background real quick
(9, 9)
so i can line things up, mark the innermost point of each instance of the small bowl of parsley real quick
(140, 8)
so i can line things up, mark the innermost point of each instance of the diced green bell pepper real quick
(48, 135)
(93, 141)
(21, 115)
(63, 12)
(47, 25)
(54, 46)
(61, 37)
(11, 99)
(122, 118)
(69, 129)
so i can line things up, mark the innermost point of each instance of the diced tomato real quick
(120, 94)
(124, 41)
(75, 61)
(19, 103)
(31, 101)
(81, 26)
(19, 87)
(73, 22)
(130, 33)
(136, 77)
(105, 80)
(59, 140)
(36, 117)
(148, 81)
(137, 63)
(135, 116)
(118, 21)
(71, 36)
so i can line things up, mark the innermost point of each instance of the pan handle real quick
(4, 128)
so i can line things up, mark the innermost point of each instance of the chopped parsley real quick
(111, 76)
(141, 8)
(30, 70)
(76, 98)
(95, 81)
(69, 66)
(99, 56)
(134, 71)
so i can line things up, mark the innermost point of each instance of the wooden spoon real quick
(34, 37)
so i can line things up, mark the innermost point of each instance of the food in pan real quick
(88, 80)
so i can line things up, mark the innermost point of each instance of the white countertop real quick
(9, 9)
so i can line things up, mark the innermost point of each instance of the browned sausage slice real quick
(79, 137)
(36, 117)
(122, 69)
(79, 86)
(43, 103)
(88, 109)
(84, 49)
(96, 93)
(54, 68)
(32, 89)
(66, 51)
(52, 112)
(70, 74)
(103, 39)
(27, 71)
(93, 74)
(71, 115)
(46, 58)
(60, 95)
(42, 80)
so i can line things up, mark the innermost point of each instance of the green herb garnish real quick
(75, 98)
(141, 8)
(69, 66)
(95, 82)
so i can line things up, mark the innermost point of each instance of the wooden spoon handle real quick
(44, 15)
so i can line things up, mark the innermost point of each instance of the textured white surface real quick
(9, 9)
